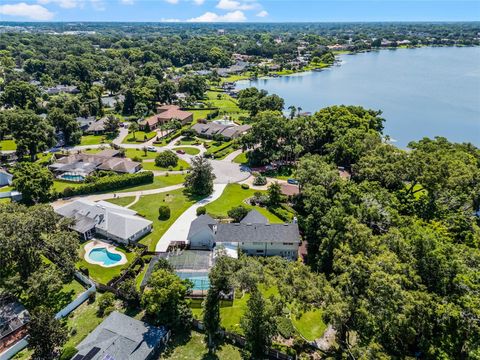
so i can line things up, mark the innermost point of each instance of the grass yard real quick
(60, 185)
(182, 165)
(188, 150)
(158, 182)
(232, 196)
(131, 153)
(139, 137)
(194, 347)
(199, 114)
(148, 206)
(241, 158)
(310, 324)
(7, 145)
(94, 140)
(100, 273)
(6, 188)
(123, 201)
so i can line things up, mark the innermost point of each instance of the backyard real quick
(150, 165)
(234, 195)
(95, 139)
(188, 150)
(140, 136)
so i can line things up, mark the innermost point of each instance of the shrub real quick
(281, 213)
(259, 180)
(245, 186)
(237, 213)
(68, 352)
(285, 327)
(202, 210)
(166, 159)
(108, 310)
(106, 301)
(164, 212)
(137, 158)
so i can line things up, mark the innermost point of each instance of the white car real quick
(151, 148)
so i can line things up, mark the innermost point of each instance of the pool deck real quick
(97, 244)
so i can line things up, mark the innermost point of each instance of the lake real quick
(422, 92)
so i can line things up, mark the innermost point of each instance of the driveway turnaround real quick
(179, 230)
(227, 172)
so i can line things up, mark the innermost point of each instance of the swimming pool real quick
(103, 256)
(200, 280)
(70, 177)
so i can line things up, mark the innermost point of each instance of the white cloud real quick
(98, 5)
(66, 4)
(234, 16)
(33, 12)
(127, 2)
(170, 20)
(262, 13)
(236, 5)
(172, 1)
(198, 2)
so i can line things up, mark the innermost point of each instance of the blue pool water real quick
(70, 177)
(200, 280)
(104, 256)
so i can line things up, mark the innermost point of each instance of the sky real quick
(239, 10)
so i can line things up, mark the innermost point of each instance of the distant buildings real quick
(69, 89)
(227, 130)
(85, 122)
(82, 164)
(120, 337)
(254, 235)
(167, 113)
(105, 219)
(97, 127)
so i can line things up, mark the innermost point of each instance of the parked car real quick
(180, 151)
(151, 148)
(292, 181)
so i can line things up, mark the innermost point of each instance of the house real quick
(120, 337)
(97, 127)
(108, 220)
(5, 178)
(85, 122)
(82, 164)
(167, 113)
(201, 234)
(69, 89)
(112, 101)
(13, 322)
(254, 235)
(228, 130)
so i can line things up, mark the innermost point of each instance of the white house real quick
(108, 220)
(201, 234)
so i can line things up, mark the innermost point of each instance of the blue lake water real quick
(104, 256)
(422, 92)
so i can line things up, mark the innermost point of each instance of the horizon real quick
(239, 11)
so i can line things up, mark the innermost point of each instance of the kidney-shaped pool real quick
(104, 255)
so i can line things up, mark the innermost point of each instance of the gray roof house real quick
(85, 122)
(5, 178)
(120, 337)
(97, 127)
(254, 235)
(106, 219)
(228, 131)
(13, 321)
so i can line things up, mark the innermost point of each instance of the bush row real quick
(281, 213)
(109, 183)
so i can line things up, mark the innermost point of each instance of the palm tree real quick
(292, 109)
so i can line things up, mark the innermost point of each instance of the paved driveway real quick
(228, 172)
(179, 230)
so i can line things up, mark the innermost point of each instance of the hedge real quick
(107, 183)
(281, 213)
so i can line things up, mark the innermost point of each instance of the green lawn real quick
(60, 185)
(100, 273)
(158, 182)
(199, 114)
(233, 196)
(310, 324)
(139, 137)
(131, 153)
(194, 347)
(94, 139)
(188, 150)
(123, 201)
(241, 158)
(182, 165)
(148, 206)
(6, 188)
(7, 145)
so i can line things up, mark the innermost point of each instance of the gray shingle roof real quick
(254, 217)
(200, 223)
(258, 233)
(122, 337)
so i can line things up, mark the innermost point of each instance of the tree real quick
(237, 213)
(112, 124)
(199, 180)
(128, 103)
(164, 212)
(133, 127)
(141, 110)
(66, 124)
(202, 210)
(194, 86)
(105, 304)
(31, 133)
(166, 92)
(274, 194)
(130, 295)
(164, 299)
(258, 326)
(46, 334)
(166, 159)
(20, 94)
(33, 181)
